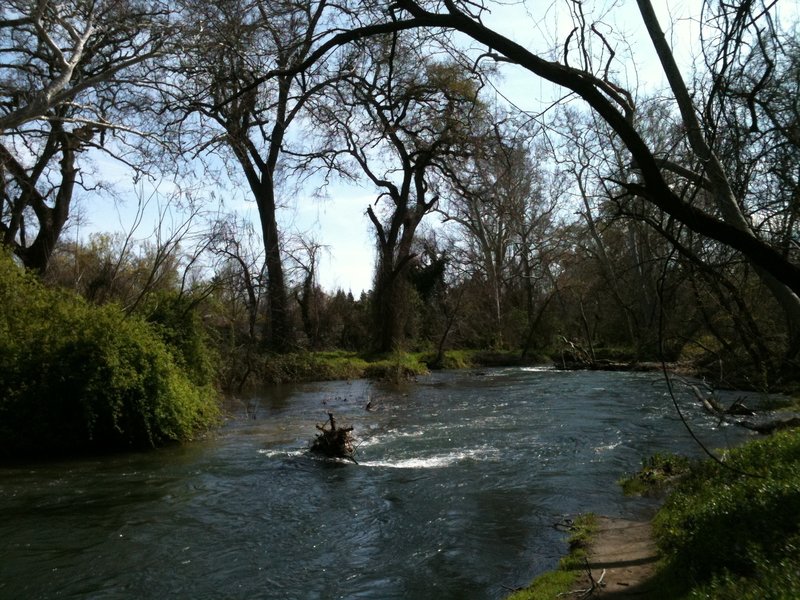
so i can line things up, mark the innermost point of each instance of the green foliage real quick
(737, 534)
(451, 359)
(657, 472)
(397, 367)
(179, 325)
(337, 365)
(775, 579)
(313, 366)
(75, 377)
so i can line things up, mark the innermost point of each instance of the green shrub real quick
(732, 531)
(179, 325)
(75, 377)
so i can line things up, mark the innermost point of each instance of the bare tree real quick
(64, 70)
(305, 254)
(58, 53)
(240, 283)
(607, 98)
(400, 115)
(501, 206)
(247, 80)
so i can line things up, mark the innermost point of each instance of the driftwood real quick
(333, 441)
(738, 409)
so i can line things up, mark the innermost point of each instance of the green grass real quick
(657, 473)
(552, 584)
(313, 366)
(725, 532)
(341, 365)
(736, 533)
(396, 368)
(451, 359)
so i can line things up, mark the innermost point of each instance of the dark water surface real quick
(460, 481)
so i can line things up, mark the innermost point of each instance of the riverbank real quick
(338, 365)
(728, 529)
(621, 561)
(608, 557)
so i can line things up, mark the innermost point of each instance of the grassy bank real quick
(726, 531)
(397, 366)
(341, 365)
(733, 531)
(553, 584)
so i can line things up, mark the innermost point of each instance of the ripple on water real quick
(458, 485)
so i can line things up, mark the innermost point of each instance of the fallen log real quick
(738, 409)
(772, 426)
(333, 441)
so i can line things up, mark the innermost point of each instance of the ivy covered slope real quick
(75, 377)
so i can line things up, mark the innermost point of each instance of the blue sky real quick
(339, 222)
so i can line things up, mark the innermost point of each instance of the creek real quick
(461, 478)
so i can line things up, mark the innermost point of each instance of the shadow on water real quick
(459, 482)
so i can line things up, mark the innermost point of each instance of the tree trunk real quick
(280, 332)
(51, 220)
(387, 315)
(394, 258)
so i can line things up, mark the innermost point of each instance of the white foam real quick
(600, 449)
(281, 452)
(387, 437)
(433, 462)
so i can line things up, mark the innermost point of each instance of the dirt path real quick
(625, 550)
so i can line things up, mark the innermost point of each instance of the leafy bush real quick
(179, 325)
(732, 531)
(75, 377)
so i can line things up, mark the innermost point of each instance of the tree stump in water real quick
(334, 442)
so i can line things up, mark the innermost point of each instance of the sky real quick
(339, 222)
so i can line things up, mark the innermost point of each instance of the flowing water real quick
(461, 478)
